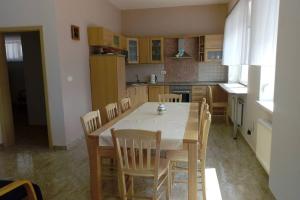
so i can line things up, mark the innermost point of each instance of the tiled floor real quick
(64, 175)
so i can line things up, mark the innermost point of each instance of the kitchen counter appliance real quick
(184, 90)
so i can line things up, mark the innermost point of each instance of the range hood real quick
(181, 54)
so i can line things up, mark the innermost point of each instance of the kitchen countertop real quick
(234, 88)
(175, 83)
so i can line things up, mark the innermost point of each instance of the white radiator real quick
(263, 143)
(240, 112)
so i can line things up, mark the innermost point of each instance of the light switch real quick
(69, 78)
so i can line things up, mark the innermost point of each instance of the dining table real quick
(179, 126)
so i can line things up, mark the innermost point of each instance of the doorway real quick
(24, 60)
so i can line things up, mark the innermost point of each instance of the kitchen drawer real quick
(198, 89)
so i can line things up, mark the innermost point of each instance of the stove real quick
(184, 90)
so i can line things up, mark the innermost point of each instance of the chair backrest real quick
(112, 111)
(206, 128)
(204, 107)
(91, 122)
(135, 151)
(125, 104)
(170, 98)
(210, 97)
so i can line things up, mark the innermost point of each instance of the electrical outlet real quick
(163, 72)
(249, 132)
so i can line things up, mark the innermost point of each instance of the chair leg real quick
(168, 189)
(123, 186)
(131, 186)
(203, 184)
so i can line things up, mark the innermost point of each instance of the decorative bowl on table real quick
(161, 109)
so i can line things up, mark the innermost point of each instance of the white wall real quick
(74, 55)
(15, 13)
(64, 57)
(285, 159)
(253, 112)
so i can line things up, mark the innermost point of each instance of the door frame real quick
(39, 29)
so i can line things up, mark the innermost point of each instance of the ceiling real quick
(142, 4)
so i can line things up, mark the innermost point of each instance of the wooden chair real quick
(112, 111)
(20, 189)
(138, 155)
(90, 123)
(219, 106)
(125, 104)
(176, 157)
(170, 98)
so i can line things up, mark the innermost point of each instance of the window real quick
(243, 79)
(264, 29)
(13, 47)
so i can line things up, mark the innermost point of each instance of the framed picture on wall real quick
(75, 32)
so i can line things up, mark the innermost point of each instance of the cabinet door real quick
(156, 50)
(116, 41)
(154, 91)
(121, 77)
(198, 93)
(98, 36)
(213, 55)
(144, 48)
(132, 93)
(123, 42)
(133, 50)
(214, 41)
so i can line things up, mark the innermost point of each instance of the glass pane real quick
(156, 50)
(132, 50)
(116, 40)
(214, 55)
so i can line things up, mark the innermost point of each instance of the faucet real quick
(137, 78)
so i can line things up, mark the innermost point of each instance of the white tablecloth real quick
(172, 123)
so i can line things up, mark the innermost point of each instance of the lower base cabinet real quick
(154, 91)
(137, 94)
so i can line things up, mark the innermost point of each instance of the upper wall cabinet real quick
(214, 41)
(133, 50)
(99, 36)
(213, 48)
(144, 50)
(156, 50)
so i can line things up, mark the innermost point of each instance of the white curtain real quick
(13, 47)
(264, 28)
(236, 36)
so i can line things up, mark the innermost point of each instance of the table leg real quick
(95, 168)
(192, 168)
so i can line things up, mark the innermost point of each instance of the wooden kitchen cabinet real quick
(144, 50)
(214, 41)
(133, 50)
(198, 93)
(156, 50)
(137, 94)
(213, 48)
(108, 81)
(123, 42)
(154, 91)
(99, 36)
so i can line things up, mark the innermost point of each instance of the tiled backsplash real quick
(179, 70)
(212, 72)
(144, 71)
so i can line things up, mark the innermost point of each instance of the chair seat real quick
(220, 104)
(163, 168)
